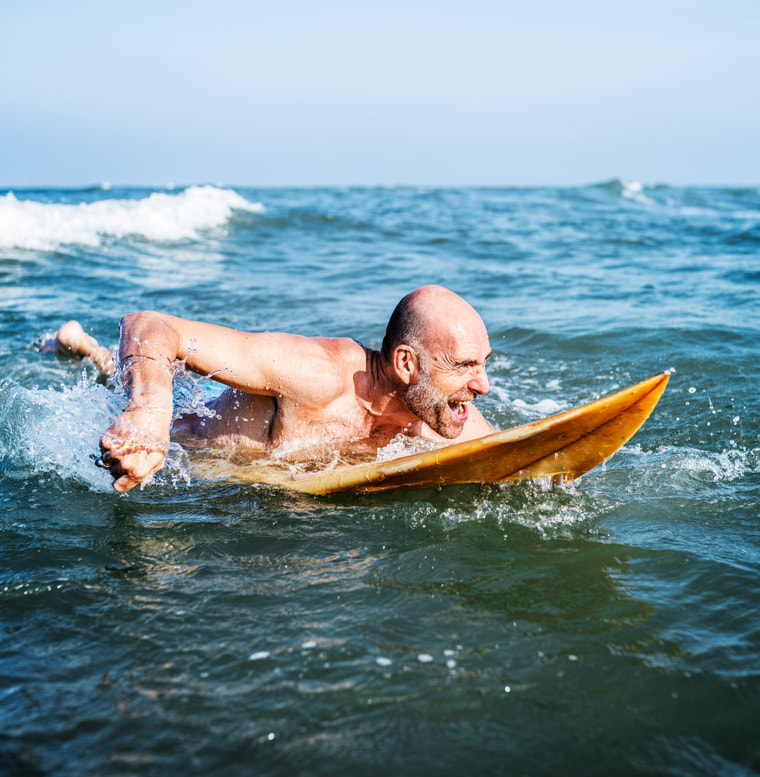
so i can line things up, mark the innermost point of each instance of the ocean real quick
(199, 626)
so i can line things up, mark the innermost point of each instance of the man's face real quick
(446, 384)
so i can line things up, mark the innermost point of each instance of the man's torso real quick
(262, 422)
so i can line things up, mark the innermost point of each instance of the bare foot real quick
(73, 340)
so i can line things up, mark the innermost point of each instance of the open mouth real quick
(459, 410)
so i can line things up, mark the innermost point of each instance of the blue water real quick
(199, 626)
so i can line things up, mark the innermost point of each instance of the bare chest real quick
(341, 421)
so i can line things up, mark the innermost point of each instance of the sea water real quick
(199, 626)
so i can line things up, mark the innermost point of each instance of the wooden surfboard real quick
(560, 448)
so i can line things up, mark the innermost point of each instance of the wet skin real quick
(292, 390)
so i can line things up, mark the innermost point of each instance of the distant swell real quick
(161, 216)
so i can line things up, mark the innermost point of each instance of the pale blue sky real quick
(399, 92)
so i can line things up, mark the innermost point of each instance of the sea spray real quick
(58, 430)
(46, 431)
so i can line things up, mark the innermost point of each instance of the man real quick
(293, 390)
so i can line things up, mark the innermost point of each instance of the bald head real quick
(435, 352)
(426, 315)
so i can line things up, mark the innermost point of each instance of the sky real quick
(399, 92)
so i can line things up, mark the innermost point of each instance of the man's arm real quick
(135, 444)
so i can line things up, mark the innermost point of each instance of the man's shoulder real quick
(342, 349)
(326, 369)
(326, 349)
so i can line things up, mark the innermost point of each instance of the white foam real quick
(542, 407)
(537, 505)
(401, 445)
(630, 190)
(713, 466)
(686, 470)
(633, 190)
(44, 226)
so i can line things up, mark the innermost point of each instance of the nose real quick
(479, 381)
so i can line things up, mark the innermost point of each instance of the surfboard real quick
(558, 449)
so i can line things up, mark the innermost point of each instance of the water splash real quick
(49, 431)
(59, 431)
(401, 445)
(684, 469)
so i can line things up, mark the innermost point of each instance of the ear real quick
(405, 364)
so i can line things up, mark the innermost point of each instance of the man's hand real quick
(135, 445)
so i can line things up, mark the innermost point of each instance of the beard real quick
(434, 407)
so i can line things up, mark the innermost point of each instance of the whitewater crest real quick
(161, 216)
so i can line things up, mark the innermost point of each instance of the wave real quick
(161, 216)
(627, 190)
(738, 204)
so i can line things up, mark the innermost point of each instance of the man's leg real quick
(73, 340)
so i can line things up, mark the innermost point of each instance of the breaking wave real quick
(161, 216)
